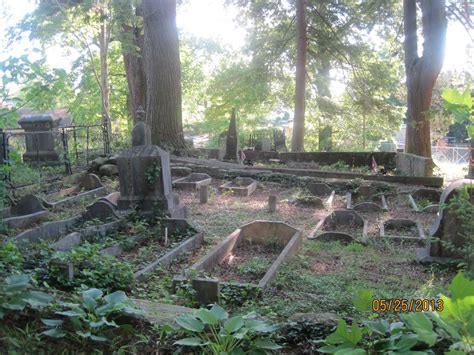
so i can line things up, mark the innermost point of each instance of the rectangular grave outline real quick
(243, 191)
(350, 206)
(222, 249)
(432, 208)
(185, 184)
(421, 239)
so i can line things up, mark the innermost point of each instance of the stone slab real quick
(25, 220)
(240, 186)
(47, 231)
(399, 224)
(193, 181)
(28, 204)
(323, 231)
(67, 243)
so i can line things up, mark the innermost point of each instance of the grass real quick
(325, 276)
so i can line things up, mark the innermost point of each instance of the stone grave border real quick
(432, 208)
(208, 289)
(367, 206)
(100, 191)
(420, 239)
(25, 220)
(243, 191)
(186, 183)
(318, 234)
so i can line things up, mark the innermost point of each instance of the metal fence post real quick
(67, 164)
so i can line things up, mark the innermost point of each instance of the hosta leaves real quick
(190, 323)
(206, 316)
(343, 335)
(37, 298)
(233, 324)
(267, 344)
(52, 322)
(116, 297)
(421, 325)
(194, 341)
(54, 333)
(362, 300)
(219, 312)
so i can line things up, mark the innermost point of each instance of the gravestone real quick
(232, 141)
(90, 182)
(222, 146)
(102, 210)
(39, 137)
(448, 228)
(145, 180)
(266, 144)
(27, 205)
(141, 134)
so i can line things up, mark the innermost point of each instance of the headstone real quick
(39, 137)
(112, 198)
(27, 205)
(203, 194)
(141, 133)
(145, 181)
(319, 189)
(108, 170)
(222, 146)
(448, 227)
(232, 141)
(102, 210)
(266, 144)
(272, 202)
(90, 182)
(68, 242)
(114, 250)
(207, 290)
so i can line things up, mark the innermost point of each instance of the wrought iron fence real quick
(455, 155)
(49, 153)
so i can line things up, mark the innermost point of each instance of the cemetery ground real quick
(310, 293)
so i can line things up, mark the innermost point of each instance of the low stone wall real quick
(413, 165)
(324, 158)
(349, 158)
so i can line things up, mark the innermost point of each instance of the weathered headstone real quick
(448, 229)
(266, 144)
(272, 203)
(68, 242)
(39, 137)
(141, 133)
(145, 181)
(27, 205)
(102, 210)
(232, 141)
(222, 146)
(90, 182)
(203, 194)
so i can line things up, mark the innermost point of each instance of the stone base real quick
(177, 211)
(42, 156)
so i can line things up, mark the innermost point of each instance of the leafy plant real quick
(461, 206)
(452, 325)
(91, 269)
(460, 105)
(10, 258)
(16, 294)
(215, 333)
(92, 318)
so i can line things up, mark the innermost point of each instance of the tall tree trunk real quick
(104, 39)
(322, 82)
(132, 48)
(163, 74)
(422, 72)
(297, 139)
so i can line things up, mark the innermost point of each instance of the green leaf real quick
(98, 338)
(233, 324)
(54, 333)
(190, 323)
(52, 322)
(461, 287)
(363, 299)
(219, 312)
(421, 325)
(342, 334)
(261, 326)
(116, 297)
(71, 314)
(206, 316)
(356, 351)
(92, 293)
(470, 131)
(37, 298)
(194, 341)
(266, 344)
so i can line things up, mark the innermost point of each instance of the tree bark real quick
(297, 139)
(422, 72)
(132, 49)
(163, 74)
(322, 81)
(104, 39)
